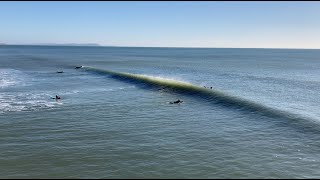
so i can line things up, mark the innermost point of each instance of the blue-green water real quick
(260, 119)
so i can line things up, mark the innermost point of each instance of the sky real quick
(163, 24)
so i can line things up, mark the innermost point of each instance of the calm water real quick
(261, 118)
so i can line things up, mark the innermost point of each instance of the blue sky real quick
(164, 24)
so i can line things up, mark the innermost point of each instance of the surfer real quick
(176, 102)
(59, 71)
(78, 67)
(57, 97)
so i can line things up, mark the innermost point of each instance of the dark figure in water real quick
(176, 102)
(57, 97)
(78, 67)
(210, 87)
(59, 71)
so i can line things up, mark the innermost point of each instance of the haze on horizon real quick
(163, 24)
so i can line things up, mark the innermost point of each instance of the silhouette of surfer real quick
(57, 97)
(78, 67)
(176, 102)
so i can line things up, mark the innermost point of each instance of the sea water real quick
(260, 119)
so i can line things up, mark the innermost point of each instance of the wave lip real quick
(212, 95)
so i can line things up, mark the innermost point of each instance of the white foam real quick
(10, 77)
(35, 101)
(25, 102)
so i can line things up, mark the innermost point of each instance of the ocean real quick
(246, 113)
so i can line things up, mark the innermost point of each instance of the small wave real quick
(212, 95)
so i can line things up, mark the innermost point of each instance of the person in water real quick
(58, 97)
(176, 102)
(78, 67)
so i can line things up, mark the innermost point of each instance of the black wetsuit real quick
(176, 102)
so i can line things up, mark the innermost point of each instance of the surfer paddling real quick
(57, 97)
(176, 102)
(78, 67)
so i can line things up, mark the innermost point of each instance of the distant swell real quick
(211, 95)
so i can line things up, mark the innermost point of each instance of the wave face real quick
(212, 95)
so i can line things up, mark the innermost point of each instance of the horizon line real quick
(99, 45)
